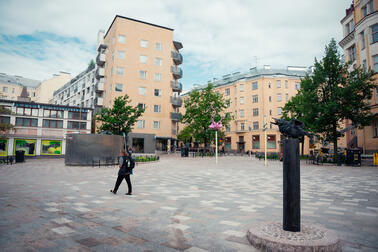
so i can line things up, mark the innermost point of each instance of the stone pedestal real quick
(271, 237)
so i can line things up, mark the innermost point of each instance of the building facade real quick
(256, 97)
(39, 91)
(79, 91)
(40, 128)
(142, 60)
(360, 45)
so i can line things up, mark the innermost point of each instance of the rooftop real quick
(18, 80)
(76, 78)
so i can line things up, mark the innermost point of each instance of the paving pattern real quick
(178, 204)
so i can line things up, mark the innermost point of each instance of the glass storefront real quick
(27, 145)
(51, 147)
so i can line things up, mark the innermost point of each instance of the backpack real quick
(132, 163)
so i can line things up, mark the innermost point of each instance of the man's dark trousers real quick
(119, 180)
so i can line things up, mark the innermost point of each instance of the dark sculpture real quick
(293, 129)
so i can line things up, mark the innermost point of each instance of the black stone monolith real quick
(291, 186)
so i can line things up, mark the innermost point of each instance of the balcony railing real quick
(177, 58)
(99, 87)
(174, 132)
(101, 47)
(98, 101)
(178, 45)
(176, 86)
(176, 101)
(177, 72)
(100, 59)
(100, 72)
(175, 116)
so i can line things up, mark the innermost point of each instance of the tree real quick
(199, 107)
(120, 118)
(331, 95)
(185, 134)
(4, 127)
(91, 64)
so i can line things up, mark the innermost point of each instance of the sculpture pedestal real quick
(271, 237)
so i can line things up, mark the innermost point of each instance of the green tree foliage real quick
(120, 118)
(199, 107)
(4, 127)
(91, 64)
(185, 134)
(332, 94)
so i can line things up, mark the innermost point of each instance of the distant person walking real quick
(125, 168)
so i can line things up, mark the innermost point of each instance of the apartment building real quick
(80, 91)
(39, 91)
(360, 45)
(256, 97)
(40, 128)
(142, 60)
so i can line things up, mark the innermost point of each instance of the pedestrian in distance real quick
(126, 164)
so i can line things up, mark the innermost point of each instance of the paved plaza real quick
(178, 204)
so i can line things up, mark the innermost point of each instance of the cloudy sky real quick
(41, 37)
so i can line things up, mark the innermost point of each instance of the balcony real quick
(177, 72)
(176, 86)
(176, 101)
(174, 132)
(239, 130)
(101, 47)
(178, 45)
(100, 59)
(175, 116)
(100, 73)
(99, 87)
(98, 101)
(177, 58)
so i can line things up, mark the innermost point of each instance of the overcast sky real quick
(39, 38)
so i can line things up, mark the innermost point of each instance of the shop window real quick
(255, 142)
(271, 139)
(26, 145)
(51, 147)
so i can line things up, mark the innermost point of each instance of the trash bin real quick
(20, 156)
(353, 157)
(184, 152)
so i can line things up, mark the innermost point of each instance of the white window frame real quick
(241, 100)
(121, 39)
(158, 61)
(141, 124)
(120, 71)
(156, 124)
(157, 108)
(121, 54)
(159, 46)
(159, 91)
(142, 74)
(144, 43)
(143, 59)
(157, 76)
(142, 90)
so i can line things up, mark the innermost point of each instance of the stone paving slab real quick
(178, 204)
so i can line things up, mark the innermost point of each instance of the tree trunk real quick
(335, 143)
(302, 149)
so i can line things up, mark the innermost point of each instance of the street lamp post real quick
(265, 141)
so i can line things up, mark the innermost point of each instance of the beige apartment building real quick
(360, 45)
(39, 91)
(141, 60)
(257, 97)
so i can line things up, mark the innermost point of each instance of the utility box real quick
(353, 157)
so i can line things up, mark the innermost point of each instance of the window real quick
(255, 112)
(278, 84)
(12, 90)
(52, 123)
(364, 11)
(142, 90)
(143, 59)
(242, 126)
(376, 95)
(286, 84)
(255, 98)
(297, 85)
(279, 97)
(375, 128)
(141, 124)
(157, 76)
(144, 43)
(376, 63)
(5, 89)
(27, 111)
(227, 128)
(141, 106)
(5, 119)
(27, 122)
(121, 39)
(241, 113)
(370, 4)
(52, 113)
(77, 115)
(156, 124)
(241, 100)
(143, 74)
(271, 141)
(255, 125)
(241, 87)
(157, 92)
(254, 85)
(119, 71)
(158, 61)
(255, 142)
(121, 54)
(374, 33)
(362, 40)
(364, 66)
(270, 98)
(227, 91)
(270, 112)
(157, 108)
(287, 97)
(118, 87)
(159, 46)
(269, 85)
(352, 53)
(76, 125)
(279, 111)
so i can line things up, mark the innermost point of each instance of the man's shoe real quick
(128, 193)
(113, 192)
